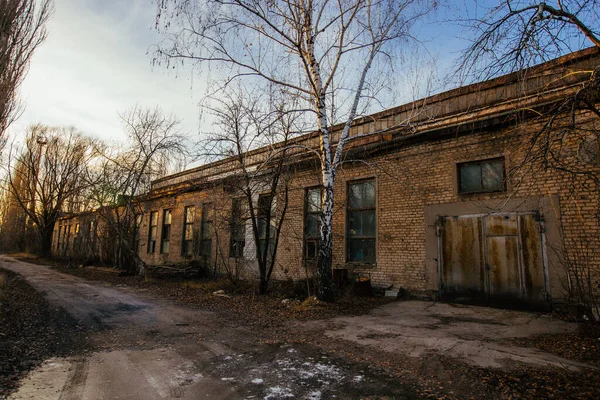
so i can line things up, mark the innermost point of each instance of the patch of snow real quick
(292, 351)
(257, 381)
(278, 392)
(315, 395)
(358, 378)
(227, 379)
(185, 375)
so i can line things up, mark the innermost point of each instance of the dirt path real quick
(146, 348)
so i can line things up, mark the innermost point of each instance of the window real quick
(137, 227)
(206, 231)
(312, 223)
(361, 223)
(238, 229)
(76, 238)
(189, 214)
(92, 233)
(266, 216)
(68, 238)
(152, 231)
(58, 238)
(484, 176)
(165, 236)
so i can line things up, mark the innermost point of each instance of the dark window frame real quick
(138, 218)
(187, 242)
(237, 236)
(309, 241)
(60, 228)
(261, 216)
(151, 236)
(206, 231)
(480, 164)
(165, 231)
(349, 237)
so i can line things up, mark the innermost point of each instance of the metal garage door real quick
(492, 260)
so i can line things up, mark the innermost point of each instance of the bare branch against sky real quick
(22, 30)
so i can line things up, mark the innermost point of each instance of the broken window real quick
(165, 236)
(189, 214)
(481, 176)
(206, 231)
(152, 231)
(238, 229)
(312, 223)
(361, 225)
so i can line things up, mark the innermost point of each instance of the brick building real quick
(435, 198)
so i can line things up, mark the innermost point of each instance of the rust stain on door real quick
(495, 260)
(463, 272)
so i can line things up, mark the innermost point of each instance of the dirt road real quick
(140, 346)
(144, 348)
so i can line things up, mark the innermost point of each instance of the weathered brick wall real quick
(412, 178)
(408, 179)
(415, 176)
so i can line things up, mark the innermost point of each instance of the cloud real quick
(95, 64)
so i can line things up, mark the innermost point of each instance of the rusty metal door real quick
(492, 259)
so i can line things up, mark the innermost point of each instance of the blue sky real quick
(95, 63)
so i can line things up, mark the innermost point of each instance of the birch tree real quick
(324, 52)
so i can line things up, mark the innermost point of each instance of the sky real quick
(95, 63)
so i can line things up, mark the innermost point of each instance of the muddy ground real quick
(31, 331)
(176, 339)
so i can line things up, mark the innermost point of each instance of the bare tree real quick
(320, 51)
(22, 29)
(46, 174)
(12, 221)
(516, 35)
(246, 121)
(154, 139)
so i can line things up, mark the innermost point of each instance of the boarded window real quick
(187, 244)
(206, 231)
(238, 229)
(361, 225)
(481, 176)
(165, 243)
(312, 223)
(152, 231)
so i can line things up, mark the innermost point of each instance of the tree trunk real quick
(264, 284)
(326, 289)
(45, 234)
